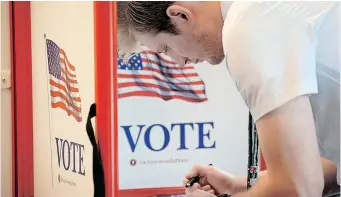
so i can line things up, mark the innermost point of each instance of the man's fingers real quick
(211, 191)
(185, 181)
(200, 193)
(197, 170)
(203, 180)
(194, 187)
(206, 187)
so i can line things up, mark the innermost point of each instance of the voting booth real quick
(154, 120)
(167, 118)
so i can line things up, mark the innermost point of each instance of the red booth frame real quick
(106, 98)
(21, 99)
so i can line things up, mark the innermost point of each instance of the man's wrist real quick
(240, 184)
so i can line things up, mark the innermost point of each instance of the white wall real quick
(5, 108)
(70, 26)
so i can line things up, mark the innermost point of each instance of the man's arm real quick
(288, 142)
(329, 172)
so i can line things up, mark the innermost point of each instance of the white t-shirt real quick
(276, 51)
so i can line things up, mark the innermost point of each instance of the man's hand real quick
(197, 191)
(220, 182)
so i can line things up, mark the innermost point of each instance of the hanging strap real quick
(336, 194)
(252, 172)
(97, 166)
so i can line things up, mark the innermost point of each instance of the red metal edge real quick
(103, 88)
(10, 7)
(114, 75)
(22, 121)
(152, 192)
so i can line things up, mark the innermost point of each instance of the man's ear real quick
(179, 14)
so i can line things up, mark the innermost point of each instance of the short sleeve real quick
(271, 58)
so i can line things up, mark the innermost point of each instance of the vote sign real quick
(162, 133)
(202, 129)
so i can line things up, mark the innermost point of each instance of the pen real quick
(194, 180)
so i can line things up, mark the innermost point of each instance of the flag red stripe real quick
(63, 106)
(62, 96)
(130, 84)
(70, 80)
(68, 84)
(77, 99)
(67, 72)
(66, 59)
(153, 94)
(141, 76)
(60, 86)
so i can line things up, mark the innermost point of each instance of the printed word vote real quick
(202, 130)
(70, 154)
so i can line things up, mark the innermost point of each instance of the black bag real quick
(98, 172)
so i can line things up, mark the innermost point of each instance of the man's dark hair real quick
(145, 16)
(141, 17)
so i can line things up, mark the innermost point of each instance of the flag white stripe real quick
(61, 82)
(161, 92)
(65, 58)
(162, 84)
(150, 73)
(76, 103)
(71, 77)
(58, 99)
(166, 70)
(166, 57)
(166, 60)
(72, 94)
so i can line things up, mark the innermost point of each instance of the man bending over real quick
(284, 60)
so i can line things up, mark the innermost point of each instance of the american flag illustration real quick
(63, 83)
(153, 74)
